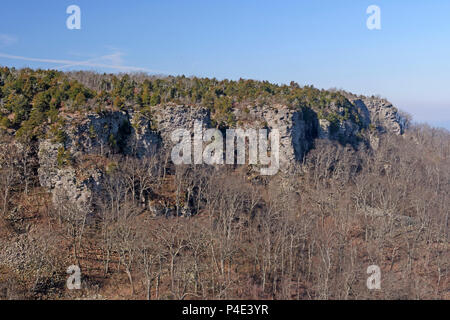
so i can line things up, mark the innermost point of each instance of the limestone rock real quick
(136, 134)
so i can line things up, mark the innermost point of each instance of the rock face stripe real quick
(132, 134)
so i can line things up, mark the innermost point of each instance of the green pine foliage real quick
(31, 98)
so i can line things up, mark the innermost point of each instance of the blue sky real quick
(321, 42)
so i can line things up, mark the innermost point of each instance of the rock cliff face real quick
(75, 186)
(94, 134)
(136, 134)
(345, 130)
(118, 131)
(108, 133)
(296, 134)
(171, 117)
(378, 112)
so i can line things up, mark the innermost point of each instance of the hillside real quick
(87, 179)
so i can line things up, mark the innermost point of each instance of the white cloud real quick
(111, 61)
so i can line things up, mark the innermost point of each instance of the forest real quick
(29, 96)
(309, 234)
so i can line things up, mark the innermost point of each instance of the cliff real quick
(63, 168)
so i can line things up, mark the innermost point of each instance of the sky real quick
(325, 43)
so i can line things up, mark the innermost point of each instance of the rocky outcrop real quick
(48, 166)
(295, 132)
(94, 134)
(143, 140)
(137, 134)
(343, 131)
(110, 132)
(129, 133)
(171, 117)
(378, 112)
(76, 187)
